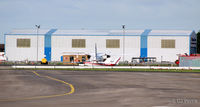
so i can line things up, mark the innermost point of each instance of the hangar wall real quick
(20, 54)
(138, 43)
(63, 44)
(167, 54)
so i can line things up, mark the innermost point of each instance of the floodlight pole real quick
(123, 27)
(38, 27)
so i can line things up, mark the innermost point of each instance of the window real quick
(112, 43)
(167, 43)
(23, 43)
(78, 43)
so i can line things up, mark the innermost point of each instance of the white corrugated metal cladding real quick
(53, 44)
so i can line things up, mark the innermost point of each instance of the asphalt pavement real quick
(60, 88)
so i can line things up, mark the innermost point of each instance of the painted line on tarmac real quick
(70, 85)
(48, 96)
(36, 73)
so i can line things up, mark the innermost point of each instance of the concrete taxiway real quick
(60, 88)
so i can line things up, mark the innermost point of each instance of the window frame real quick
(168, 43)
(112, 43)
(78, 43)
(23, 43)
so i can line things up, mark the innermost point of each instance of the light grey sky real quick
(99, 14)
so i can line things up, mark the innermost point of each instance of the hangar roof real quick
(98, 32)
(101, 32)
(29, 31)
(170, 32)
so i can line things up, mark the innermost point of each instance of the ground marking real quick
(36, 73)
(49, 96)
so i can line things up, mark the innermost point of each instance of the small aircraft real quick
(107, 62)
(104, 60)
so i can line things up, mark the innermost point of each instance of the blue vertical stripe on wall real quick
(47, 44)
(144, 42)
(61, 58)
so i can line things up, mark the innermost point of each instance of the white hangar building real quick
(165, 45)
